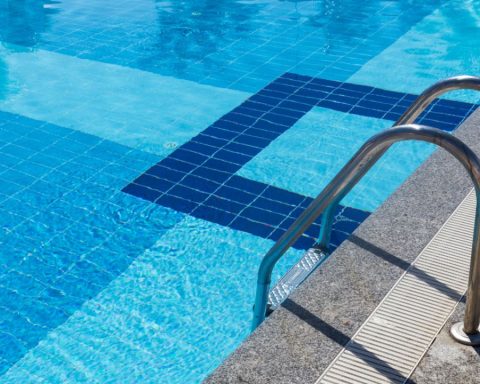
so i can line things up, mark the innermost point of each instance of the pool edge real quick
(299, 341)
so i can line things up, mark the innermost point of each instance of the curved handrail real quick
(416, 108)
(431, 93)
(344, 181)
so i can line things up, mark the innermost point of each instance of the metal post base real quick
(459, 335)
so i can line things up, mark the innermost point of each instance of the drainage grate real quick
(391, 343)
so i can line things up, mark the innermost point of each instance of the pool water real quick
(151, 152)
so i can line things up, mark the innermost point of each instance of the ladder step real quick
(295, 276)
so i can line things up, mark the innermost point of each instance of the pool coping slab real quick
(448, 361)
(299, 341)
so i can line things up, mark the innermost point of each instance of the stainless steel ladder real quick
(328, 200)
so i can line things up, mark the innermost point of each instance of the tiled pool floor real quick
(69, 230)
(149, 156)
(234, 44)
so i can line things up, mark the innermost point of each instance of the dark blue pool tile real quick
(206, 150)
(296, 77)
(276, 234)
(232, 157)
(281, 119)
(324, 82)
(189, 156)
(337, 106)
(220, 133)
(364, 89)
(254, 106)
(291, 113)
(346, 225)
(443, 126)
(154, 183)
(269, 126)
(267, 100)
(306, 101)
(211, 174)
(272, 205)
(284, 196)
(261, 133)
(250, 112)
(294, 106)
(285, 224)
(142, 192)
(161, 172)
(224, 204)
(178, 165)
(243, 149)
(310, 93)
(354, 214)
(251, 186)
(239, 118)
(392, 116)
(374, 105)
(229, 125)
(313, 231)
(199, 183)
(272, 94)
(345, 99)
(253, 141)
(188, 194)
(210, 140)
(255, 228)
(390, 100)
(459, 106)
(221, 165)
(367, 112)
(236, 195)
(213, 215)
(304, 242)
(284, 88)
(263, 216)
(177, 203)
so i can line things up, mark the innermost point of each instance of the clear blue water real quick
(100, 286)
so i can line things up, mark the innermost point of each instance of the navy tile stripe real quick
(243, 204)
(360, 100)
(199, 177)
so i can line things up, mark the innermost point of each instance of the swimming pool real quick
(152, 151)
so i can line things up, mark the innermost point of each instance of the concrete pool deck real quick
(300, 340)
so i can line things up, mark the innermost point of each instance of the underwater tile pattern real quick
(138, 109)
(66, 229)
(93, 272)
(199, 177)
(168, 319)
(234, 44)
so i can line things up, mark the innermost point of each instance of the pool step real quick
(295, 276)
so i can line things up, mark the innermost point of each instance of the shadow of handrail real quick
(344, 340)
(414, 270)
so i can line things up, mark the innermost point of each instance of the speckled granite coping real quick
(448, 361)
(298, 341)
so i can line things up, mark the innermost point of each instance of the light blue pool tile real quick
(175, 307)
(166, 111)
(443, 44)
(60, 210)
(309, 155)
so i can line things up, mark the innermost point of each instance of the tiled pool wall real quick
(83, 154)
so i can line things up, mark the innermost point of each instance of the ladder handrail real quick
(421, 103)
(364, 158)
